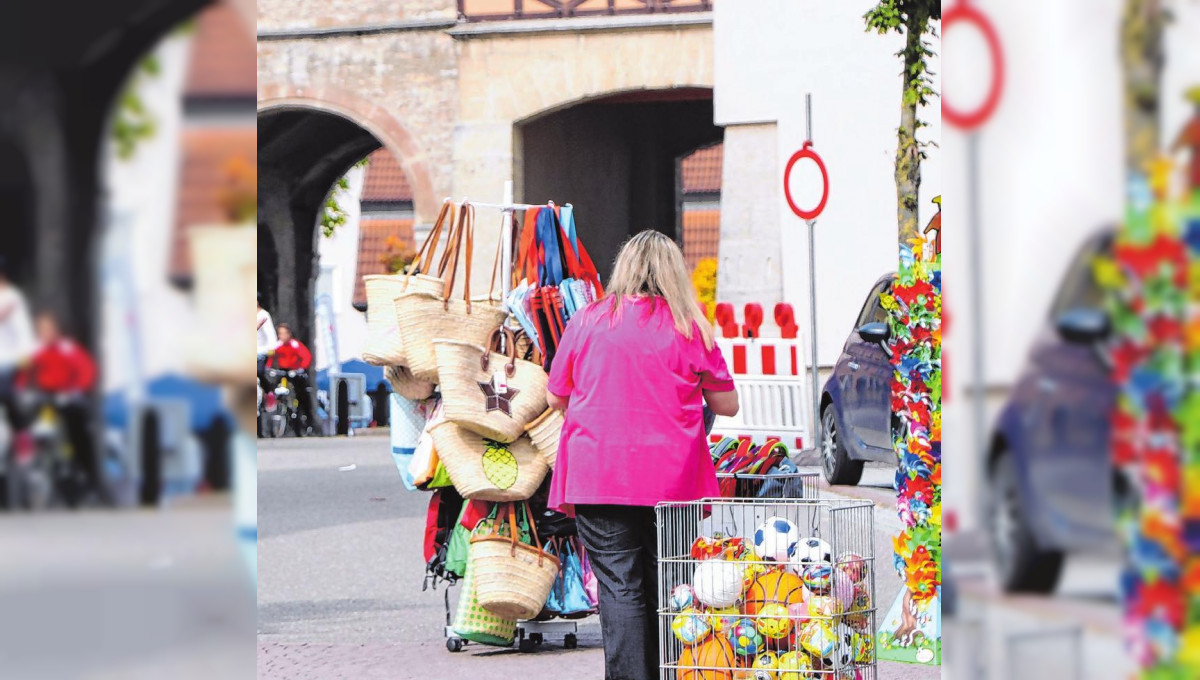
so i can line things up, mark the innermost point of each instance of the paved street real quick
(131, 595)
(340, 575)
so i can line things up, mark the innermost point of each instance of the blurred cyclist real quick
(292, 355)
(267, 341)
(63, 372)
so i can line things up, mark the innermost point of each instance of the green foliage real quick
(132, 122)
(910, 18)
(333, 216)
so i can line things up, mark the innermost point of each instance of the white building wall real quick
(340, 252)
(768, 54)
(144, 192)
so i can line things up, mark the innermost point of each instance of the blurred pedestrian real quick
(293, 355)
(633, 373)
(16, 346)
(62, 372)
(267, 341)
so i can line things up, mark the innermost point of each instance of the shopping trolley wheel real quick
(526, 645)
(570, 641)
(454, 644)
(536, 639)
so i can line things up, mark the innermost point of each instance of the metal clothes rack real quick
(530, 634)
(507, 208)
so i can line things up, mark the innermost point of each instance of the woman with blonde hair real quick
(632, 373)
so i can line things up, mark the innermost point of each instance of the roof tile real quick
(702, 170)
(701, 234)
(223, 55)
(204, 154)
(372, 238)
(385, 179)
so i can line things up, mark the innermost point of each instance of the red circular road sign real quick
(806, 152)
(967, 14)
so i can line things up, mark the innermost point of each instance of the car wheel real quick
(835, 461)
(1021, 564)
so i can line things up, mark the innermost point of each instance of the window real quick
(1079, 288)
(872, 311)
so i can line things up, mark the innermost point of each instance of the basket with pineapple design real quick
(485, 469)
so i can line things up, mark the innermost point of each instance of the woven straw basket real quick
(512, 579)
(469, 395)
(423, 316)
(544, 432)
(383, 338)
(407, 386)
(383, 347)
(487, 470)
(225, 266)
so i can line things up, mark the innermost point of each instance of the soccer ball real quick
(718, 583)
(811, 550)
(775, 539)
(845, 650)
(745, 638)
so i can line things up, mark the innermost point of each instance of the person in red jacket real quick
(292, 355)
(63, 372)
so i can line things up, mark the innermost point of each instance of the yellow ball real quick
(723, 618)
(773, 621)
(794, 666)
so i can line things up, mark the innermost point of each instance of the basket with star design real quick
(490, 393)
(485, 469)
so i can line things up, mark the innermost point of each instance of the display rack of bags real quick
(469, 374)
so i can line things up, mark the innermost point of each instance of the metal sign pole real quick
(978, 405)
(812, 314)
(812, 294)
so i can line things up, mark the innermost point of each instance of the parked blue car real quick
(856, 415)
(1052, 483)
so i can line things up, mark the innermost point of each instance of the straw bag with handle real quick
(487, 470)
(383, 347)
(544, 432)
(486, 392)
(423, 316)
(513, 573)
(405, 384)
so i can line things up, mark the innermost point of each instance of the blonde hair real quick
(651, 264)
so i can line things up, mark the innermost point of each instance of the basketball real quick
(781, 587)
(712, 659)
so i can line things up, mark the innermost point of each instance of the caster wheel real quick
(536, 639)
(454, 644)
(526, 646)
(570, 641)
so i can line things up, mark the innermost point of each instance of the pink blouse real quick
(634, 431)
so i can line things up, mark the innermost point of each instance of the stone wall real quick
(276, 15)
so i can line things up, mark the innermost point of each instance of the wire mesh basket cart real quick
(764, 589)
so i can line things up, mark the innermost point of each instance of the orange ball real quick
(712, 659)
(779, 587)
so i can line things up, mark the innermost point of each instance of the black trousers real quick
(622, 545)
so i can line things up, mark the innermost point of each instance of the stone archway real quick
(371, 117)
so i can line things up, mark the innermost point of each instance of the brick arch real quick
(372, 118)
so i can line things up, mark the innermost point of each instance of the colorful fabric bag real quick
(473, 622)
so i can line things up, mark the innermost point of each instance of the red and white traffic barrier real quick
(769, 371)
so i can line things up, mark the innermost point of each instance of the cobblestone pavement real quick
(340, 575)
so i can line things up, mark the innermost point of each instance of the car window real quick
(871, 309)
(1079, 288)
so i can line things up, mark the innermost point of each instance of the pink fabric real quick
(634, 431)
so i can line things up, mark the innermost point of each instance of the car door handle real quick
(853, 366)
